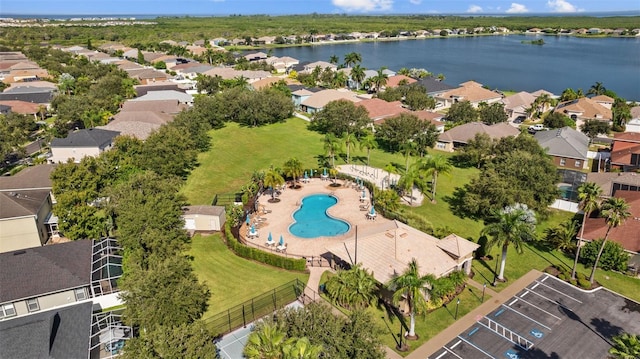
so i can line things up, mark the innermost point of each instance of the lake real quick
(502, 62)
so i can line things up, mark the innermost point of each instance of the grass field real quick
(231, 279)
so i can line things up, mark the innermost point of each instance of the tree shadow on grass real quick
(537, 247)
(456, 203)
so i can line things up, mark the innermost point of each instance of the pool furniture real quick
(281, 248)
(270, 242)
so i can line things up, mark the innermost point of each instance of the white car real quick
(536, 127)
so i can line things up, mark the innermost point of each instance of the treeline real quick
(196, 28)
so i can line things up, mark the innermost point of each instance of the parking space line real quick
(540, 309)
(456, 344)
(443, 353)
(526, 316)
(452, 352)
(513, 301)
(475, 346)
(551, 300)
(537, 284)
(545, 278)
(557, 291)
(525, 293)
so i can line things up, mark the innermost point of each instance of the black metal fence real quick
(255, 308)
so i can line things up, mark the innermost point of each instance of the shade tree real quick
(340, 116)
(462, 112)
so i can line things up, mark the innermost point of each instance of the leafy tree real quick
(293, 168)
(613, 256)
(493, 113)
(352, 288)
(208, 84)
(558, 120)
(339, 117)
(621, 114)
(569, 94)
(434, 165)
(301, 349)
(419, 100)
(562, 236)
(267, 342)
(387, 199)
(273, 179)
(380, 79)
(394, 132)
(513, 225)
(169, 152)
(478, 150)
(15, 129)
(626, 346)
(413, 288)
(614, 210)
(462, 112)
(183, 341)
(593, 128)
(589, 196)
(369, 143)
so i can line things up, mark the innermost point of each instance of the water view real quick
(503, 62)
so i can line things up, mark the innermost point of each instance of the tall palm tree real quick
(350, 140)
(513, 225)
(435, 165)
(543, 102)
(369, 143)
(597, 89)
(589, 196)
(408, 148)
(266, 343)
(380, 79)
(352, 58)
(339, 79)
(301, 349)
(414, 288)
(390, 168)
(410, 179)
(626, 346)
(333, 59)
(404, 71)
(615, 211)
(272, 179)
(293, 168)
(331, 147)
(357, 74)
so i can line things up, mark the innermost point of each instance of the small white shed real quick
(203, 218)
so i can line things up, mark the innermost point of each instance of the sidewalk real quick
(447, 335)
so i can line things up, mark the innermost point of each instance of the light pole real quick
(484, 287)
(457, 304)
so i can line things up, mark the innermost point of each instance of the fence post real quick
(229, 318)
(253, 313)
(275, 301)
(244, 320)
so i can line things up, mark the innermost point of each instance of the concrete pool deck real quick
(279, 217)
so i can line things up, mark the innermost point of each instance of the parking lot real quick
(547, 319)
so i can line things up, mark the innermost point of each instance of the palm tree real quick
(333, 59)
(514, 225)
(413, 288)
(353, 288)
(410, 179)
(368, 142)
(266, 343)
(350, 140)
(404, 71)
(626, 346)
(272, 179)
(339, 79)
(589, 196)
(435, 165)
(562, 236)
(407, 149)
(543, 101)
(615, 211)
(352, 58)
(380, 79)
(293, 168)
(331, 147)
(357, 74)
(301, 349)
(597, 89)
(390, 168)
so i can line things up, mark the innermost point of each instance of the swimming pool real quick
(312, 220)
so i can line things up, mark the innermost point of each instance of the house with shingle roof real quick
(317, 101)
(461, 135)
(145, 75)
(611, 182)
(165, 95)
(468, 91)
(309, 67)
(625, 151)
(517, 104)
(567, 146)
(434, 86)
(80, 144)
(22, 107)
(38, 95)
(394, 81)
(584, 109)
(633, 125)
(138, 124)
(385, 249)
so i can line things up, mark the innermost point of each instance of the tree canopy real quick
(340, 116)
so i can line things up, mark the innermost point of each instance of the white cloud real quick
(561, 6)
(416, 2)
(363, 5)
(517, 9)
(474, 9)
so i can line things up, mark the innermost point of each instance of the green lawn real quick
(231, 279)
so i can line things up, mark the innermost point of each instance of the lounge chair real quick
(364, 207)
(281, 248)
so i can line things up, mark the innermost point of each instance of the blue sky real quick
(222, 7)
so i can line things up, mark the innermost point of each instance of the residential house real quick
(627, 234)
(203, 218)
(256, 56)
(138, 124)
(397, 80)
(300, 95)
(434, 86)
(625, 151)
(385, 249)
(603, 100)
(461, 135)
(165, 106)
(196, 50)
(23, 107)
(611, 182)
(26, 219)
(165, 95)
(633, 125)
(584, 109)
(567, 147)
(264, 40)
(37, 95)
(517, 104)
(281, 64)
(42, 84)
(81, 143)
(379, 110)
(142, 90)
(229, 73)
(269, 81)
(309, 67)
(317, 101)
(469, 91)
(146, 75)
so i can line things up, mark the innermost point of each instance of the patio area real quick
(277, 217)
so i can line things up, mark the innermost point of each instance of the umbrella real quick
(248, 219)
(270, 238)
(325, 171)
(281, 243)
(373, 211)
(364, 194)
(306, 175)
(253, 229)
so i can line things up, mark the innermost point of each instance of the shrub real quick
(613, 257)
(573, 282)
(584, 283)
(581, 276)
(482, 250)
(562, 276)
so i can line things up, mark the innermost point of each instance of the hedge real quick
(260, 255)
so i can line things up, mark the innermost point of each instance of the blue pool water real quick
(312, 220)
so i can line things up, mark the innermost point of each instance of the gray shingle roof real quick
(58, 333)
(21, 203)
(209, 210)
(433, 85)
(165, 95)
(92, 137)
(31, 272)
(28, 94)
(564, 142)
(29, 178)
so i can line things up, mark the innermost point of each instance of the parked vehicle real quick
(536, 127)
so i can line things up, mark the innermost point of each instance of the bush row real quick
(260, 255)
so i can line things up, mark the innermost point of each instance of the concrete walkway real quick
(447, 335)
(381, 179)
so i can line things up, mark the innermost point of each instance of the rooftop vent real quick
(17, 253)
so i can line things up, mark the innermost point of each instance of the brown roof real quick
(267, 82)
(606, 180)
(584, 108)
(380, 109)
(166, 106)
(139, 124)
(472, 92)
(23, 107)
(602, 98)
(45, 84)
(387, 248)
(33, 177)
(521, 99)
(321, 98)
(468, 131)
(208, 210)
(624, 145)
(394, 81)
(626, 234)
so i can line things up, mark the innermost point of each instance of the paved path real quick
(381, 179)
(447, 335)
